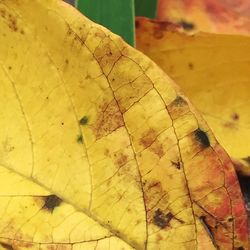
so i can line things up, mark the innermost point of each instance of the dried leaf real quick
(99, 149)
(214, 73)
(218, 16)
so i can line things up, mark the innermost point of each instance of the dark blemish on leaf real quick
(190, 66)
(158, 34)
(161, 27)
(246, 159)
(84, 120)
(164, 25)
(176, 164)
(67, 61)
(10, 68)
(230, 219)
(179, 101)
(121, 160)
(137, 24)
(62, 123)
(202, 137)
(106, 152)
(6, 246)
(13, 24)
(229, 125)
(51, 202)
(154, 184)
(148, 139)
(87, 76)
(162, 220)
(186, 25)
(79, 139)
(178, 107)
(235, 116)
(208, 230)
(240, 248)
(2, 13)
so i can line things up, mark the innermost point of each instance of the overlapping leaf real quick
(213, 70)
(220, 16)
(99, 150)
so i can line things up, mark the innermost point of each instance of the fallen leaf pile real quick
(99, 148)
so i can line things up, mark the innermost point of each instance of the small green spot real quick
(84, 120)
(79, 139)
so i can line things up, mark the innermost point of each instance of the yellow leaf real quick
(99, 150)
(213, 71)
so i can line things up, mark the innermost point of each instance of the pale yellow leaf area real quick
(98, 149)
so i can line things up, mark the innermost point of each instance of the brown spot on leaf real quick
(230, 125)
(235, 116)
(121, 159)
(51, 202)
(2, 13)
(190, 66)
(13, 23)
(137, 24)
(109, 119)
(162, 220)
(240, 248)
(177, 164)
(6, 246)
(106, 54)
(157, 148)
(178, 107)
(160, 27)
(150, 141)
(158, 34)
(154, 184)
(154, 194)
(52, 247)
(164, 25)
(107, 152)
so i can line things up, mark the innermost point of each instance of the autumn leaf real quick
(99, 149)
(219, 16)
(213, 71)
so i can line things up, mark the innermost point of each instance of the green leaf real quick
(116, 15)
(146, 8)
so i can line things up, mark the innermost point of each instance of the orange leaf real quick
(217, 16)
